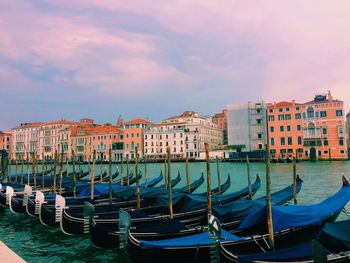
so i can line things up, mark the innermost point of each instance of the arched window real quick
(310, 112)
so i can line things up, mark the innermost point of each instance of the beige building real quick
(52, 137)
(184, 134)
(25, 139)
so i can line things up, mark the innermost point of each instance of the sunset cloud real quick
(168, 57)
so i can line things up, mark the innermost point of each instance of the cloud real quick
(196, 54)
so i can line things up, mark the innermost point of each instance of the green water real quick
(37, 243)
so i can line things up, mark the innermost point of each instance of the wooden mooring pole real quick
(268, 198)
(171, 213)
(206, 145)
(250, 195)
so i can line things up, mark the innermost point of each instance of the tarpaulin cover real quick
(201, 239)
(103, 189)
(239, 209)
(336, 236)
(300, 252)
(284, 217)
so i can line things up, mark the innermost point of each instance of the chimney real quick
(330, 97)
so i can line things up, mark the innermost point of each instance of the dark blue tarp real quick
(239, 209)
(299, 215)
(336, 236)
(103, 189)
(200, 239)
(300, 252)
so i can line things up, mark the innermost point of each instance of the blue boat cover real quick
(300, 252)
(239, 209)
(201, 239)
(103, 189)
(336, 236)
(284, 217)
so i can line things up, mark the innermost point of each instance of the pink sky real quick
(158, 58)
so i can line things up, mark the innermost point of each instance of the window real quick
(299, 140)
(339, 113)
(324, 130)
(283, 141)
(297, 108)
(281, 128)
(287, 109)
(270, 110)
(259, 136)
(342, 151)
(288, 117)
(271, 117)
(258, 121)
(281, 117)
(298, 127)
(260, 146)
(297, 116)
(341, 142)
(272, 129)
(272, 141)
(310, 113)
(290, 141)
(325, 143)
(280, 109)
(288, 127)
(323, 114)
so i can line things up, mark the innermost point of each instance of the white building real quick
(247, 126)
(25, 139)
(52, 137)
(184, 134)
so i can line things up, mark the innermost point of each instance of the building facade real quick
(184, 134)
(348, 130)
(220, 119)
(52, 138)
(25, 140)
(324, 128)
(133, 137)
(315, 130)
(6, 142)
(246, 125)
(285, 130)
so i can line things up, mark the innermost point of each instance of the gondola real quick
(104, 230)
(293, 225)
(101, 189)
(47, 211)
(72, 220)
(332, 246)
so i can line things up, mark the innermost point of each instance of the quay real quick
(7, 255)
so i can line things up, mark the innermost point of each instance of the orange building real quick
(220, 119)
(285, 130)
(103, 138)
(315, 130)
(324, 128)
(88, 137)
(133, 137)
(6, 142)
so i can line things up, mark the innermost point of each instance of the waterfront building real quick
(246, 125)
(133, 137)
(103, 138)
(88, 137)
(50, 138)
(285, 130)
(348, 130)
(220, 119)
(6, 142)
(80, 139)
(25, 140)
(185, 134)
(324, 131)
(314, 130)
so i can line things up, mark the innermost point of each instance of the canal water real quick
(37, 243)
